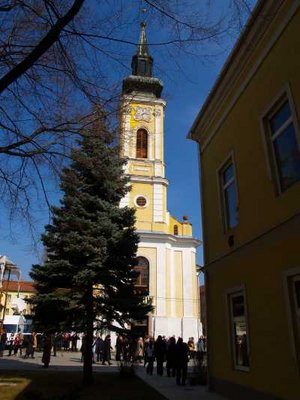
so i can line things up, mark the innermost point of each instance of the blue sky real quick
(187, 81)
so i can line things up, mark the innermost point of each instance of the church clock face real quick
(142, 114)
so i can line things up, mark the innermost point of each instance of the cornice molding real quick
(148, 179)
(139, 98)
(258, 25)
(160, 237)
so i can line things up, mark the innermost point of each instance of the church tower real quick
(167, 249)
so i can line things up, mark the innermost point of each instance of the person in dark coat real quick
(106, 350)
(74, 339)
(150, 356)
(171, 357)
(47, 350)
(83, 347)
(160, 354)
(182, 358)
(119, 346)
(3, 340)
(99, 348)
(30, 346)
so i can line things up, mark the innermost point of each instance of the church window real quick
(175, 229)
(141, 201)
(143, 269)
(142, 144)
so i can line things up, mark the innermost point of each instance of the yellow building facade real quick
(13, 296)
(249, 145)
(167, 249)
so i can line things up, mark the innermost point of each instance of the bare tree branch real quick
(51, 37)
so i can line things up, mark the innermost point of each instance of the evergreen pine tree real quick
(91, 247)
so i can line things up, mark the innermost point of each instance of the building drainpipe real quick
(206, 278)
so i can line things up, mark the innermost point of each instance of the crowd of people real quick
(170, 355)
(18, 344)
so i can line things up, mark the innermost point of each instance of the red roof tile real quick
(21, 286)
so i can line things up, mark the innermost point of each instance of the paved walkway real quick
(167, 387)
(66, 361)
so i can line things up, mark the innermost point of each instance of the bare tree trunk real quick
(88, 354)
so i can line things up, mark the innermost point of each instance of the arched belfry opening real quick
(142, 143)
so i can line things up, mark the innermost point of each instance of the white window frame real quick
(221, 190)
(230, 293)
(289, 277)
(284, 95)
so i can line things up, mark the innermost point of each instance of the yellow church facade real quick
(167, 248)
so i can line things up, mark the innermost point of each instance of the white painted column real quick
(158, 202)
(151, 145)
(188, 293)
(173, 283)
(126, 134)
(157, 135)
(161, 280)
(158, 168)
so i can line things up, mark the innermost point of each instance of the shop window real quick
(239, 330)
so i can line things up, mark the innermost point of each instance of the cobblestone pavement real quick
(66, 361)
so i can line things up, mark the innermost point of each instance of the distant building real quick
(249, 144)
(167, 248)
(14, 295)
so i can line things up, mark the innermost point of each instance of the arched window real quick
(143, 269)
(142, 144)
(175, 229)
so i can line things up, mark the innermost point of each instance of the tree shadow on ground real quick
(66, 385)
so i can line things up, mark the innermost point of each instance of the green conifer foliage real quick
(91, 248)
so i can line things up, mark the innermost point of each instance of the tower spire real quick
(142, 61)
(142, 49)
(141, 80)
